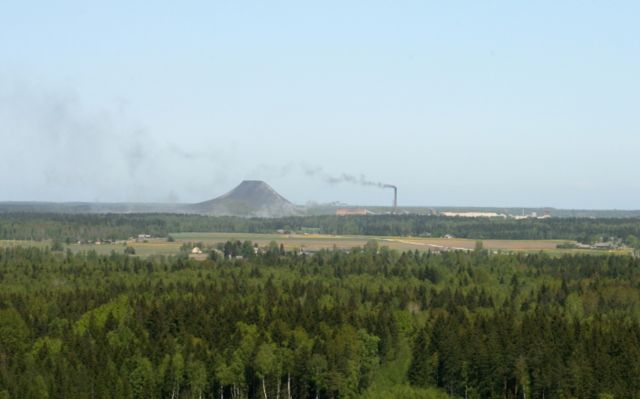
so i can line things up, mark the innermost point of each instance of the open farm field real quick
(144, 249)
(316, 242)
(323, 241)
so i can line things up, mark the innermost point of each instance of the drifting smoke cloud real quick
(67, 144)
(360, 180)
(64, 149)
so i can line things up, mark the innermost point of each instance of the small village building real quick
(143, 237)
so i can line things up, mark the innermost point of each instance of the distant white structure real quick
(142, 237)
(533, 215)
(474, 214)
(196, 251)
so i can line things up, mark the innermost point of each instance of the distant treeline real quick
(32, 226)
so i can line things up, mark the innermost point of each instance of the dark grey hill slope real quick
(255, 198)
(252, 198)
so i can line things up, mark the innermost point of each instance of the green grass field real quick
(314, 242)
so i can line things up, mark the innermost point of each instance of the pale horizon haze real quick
(466, 103)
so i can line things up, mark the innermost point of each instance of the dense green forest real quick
(370, 323)
(34, 226)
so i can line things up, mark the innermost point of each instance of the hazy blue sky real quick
(506, 103)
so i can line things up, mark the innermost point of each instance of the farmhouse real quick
(143, 237)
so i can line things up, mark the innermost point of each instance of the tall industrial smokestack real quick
(395, 196)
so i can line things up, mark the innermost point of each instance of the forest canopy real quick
(368, 323)
(72, 227)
